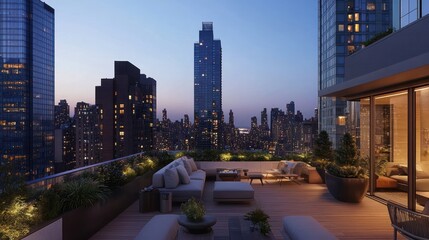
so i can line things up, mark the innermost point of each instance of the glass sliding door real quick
(391, 146)
(422, 146)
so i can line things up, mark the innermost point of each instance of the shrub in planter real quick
(83, 192)
(111, 175)
(346, 180)
(50, 204)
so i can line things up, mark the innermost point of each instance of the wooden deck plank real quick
(366, 220)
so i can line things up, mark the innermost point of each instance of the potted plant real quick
(259, 220)
(195, 219)
(323, 153)
(345, 179)
(193, 209)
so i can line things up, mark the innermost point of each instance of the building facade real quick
(208, 90)
(87, 125)
(65, 135)
(27, 87)
(121, 103)
(390, 80)
(344, 25)
(149, 111)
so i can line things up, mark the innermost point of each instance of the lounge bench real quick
(305, 228)
(160, 227)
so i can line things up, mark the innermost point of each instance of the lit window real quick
(356, 16)
(357, 28)
(350, 28)
(130, 97)
(121, 105)
(121, 111)
(370, 6)
(350, 17)
(121, 133)
(340, 27)
(341, 120)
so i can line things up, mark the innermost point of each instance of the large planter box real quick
(347, 189)
(82, 223)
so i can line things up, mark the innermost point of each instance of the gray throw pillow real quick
(183, 174)
(171, 178)
(187, 166)
(192, 163)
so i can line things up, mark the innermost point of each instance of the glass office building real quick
(27, 86)
(344, 25)
(208, 89)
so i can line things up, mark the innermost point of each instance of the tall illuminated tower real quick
(27, 87)
(208, 90)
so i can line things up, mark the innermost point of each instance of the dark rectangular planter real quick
(82, 223)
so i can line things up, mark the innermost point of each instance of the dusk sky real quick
(269, 51)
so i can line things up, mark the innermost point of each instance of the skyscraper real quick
(61, 113)
(208, 89)
(149, 111)
(121, 104)
(27, 86)
(344, 25)
(88, 144)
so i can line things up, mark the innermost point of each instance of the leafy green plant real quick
(259, 220)
(347, 162)
(377, 37)
(49, 204)
(346, 171)
(193, 209)
(323, 147)
(82, 192)
(129, 173)
(111, 175)
(17, 215)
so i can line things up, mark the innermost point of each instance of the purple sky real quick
(269, 50)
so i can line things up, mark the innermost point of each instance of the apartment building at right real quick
(389, 81)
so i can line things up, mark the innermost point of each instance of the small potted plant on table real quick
(259, 221)
(195, 219)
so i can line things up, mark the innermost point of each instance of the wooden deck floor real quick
(367, 220)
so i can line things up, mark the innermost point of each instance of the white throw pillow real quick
(183, 174)
(171, 178)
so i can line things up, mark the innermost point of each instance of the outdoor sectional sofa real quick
(181, 187)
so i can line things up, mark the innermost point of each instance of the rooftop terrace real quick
(366, 220)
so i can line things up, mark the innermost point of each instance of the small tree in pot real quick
(323, 153)
(345, 179)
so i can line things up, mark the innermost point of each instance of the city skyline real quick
(254, 78)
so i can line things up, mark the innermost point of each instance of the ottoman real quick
(256, 175)
(232, 191)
